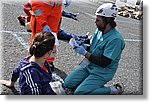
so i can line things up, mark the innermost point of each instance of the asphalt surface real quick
(14, 45)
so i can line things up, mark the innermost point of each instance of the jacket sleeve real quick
(100, 61)
(15, 74)
(35, 85)
(32, 80)
(62, 35)
(66, 36)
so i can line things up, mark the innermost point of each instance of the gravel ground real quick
(130, 71)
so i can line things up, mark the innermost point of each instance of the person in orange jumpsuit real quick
(46, 15)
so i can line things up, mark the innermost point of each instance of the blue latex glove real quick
(84, 46)
(67, 3)
(81, 50)
(47, 28)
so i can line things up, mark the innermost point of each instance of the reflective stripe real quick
(31, 12)
(27, 8)
(53, 2)
(38, 12)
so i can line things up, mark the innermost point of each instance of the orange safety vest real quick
(45, 12)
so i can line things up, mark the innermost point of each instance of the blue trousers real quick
(86, 81)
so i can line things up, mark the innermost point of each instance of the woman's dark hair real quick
(112, 22)
(43, 42)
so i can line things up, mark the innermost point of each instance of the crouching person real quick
(102, 60)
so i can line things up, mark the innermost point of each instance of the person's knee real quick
(81, 92)
(68, 84)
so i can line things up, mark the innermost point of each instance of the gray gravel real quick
(130, 71)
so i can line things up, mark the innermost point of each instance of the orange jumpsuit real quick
(45, 12)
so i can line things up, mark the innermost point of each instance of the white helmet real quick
(107, 10)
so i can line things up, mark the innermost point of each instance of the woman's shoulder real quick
(31, 66)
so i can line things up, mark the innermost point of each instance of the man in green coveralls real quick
(102, 59)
